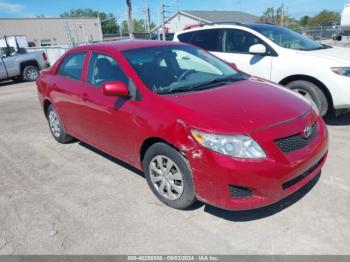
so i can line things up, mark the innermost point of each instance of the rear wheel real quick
(56, 127)
(30, 73)
(169, 176)
(312, 93)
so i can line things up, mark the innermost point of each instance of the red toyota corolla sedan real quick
(198, 128)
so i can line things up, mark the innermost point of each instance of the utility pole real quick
(118, 26)
(69, 33)
(158, 22)
(282, 13)
(147, 18)
(178, 9)
(130, 25)
(162, 13)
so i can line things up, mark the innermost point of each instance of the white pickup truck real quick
(21, 65)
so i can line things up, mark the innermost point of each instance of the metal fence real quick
(53, 52)
(315, 33)
(319, 33)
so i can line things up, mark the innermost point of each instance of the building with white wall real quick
(183, 18)
(53, 31)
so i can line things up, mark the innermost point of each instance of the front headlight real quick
(239, 146)
(343, 71)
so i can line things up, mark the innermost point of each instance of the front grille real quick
(240, 192)
(295, 142)
(297, 179)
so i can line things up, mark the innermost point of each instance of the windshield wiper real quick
(208, 84)
(200, 86)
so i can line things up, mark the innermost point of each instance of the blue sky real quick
(52, 8)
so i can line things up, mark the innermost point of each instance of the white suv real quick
(318, 72)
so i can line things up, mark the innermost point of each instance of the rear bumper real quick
(268, 180)
(45, 65)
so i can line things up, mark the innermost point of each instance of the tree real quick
(304, 21)
(275, 16)
(124, 27)
(268, 16)
(152, 25)
(108, 26)
(139, 26)
(324, 18)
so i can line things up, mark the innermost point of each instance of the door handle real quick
(85, 97)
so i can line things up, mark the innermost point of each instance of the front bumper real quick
(340, 90)
(270, 179)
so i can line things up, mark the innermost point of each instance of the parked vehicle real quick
(168, 36)
(21, 65)
(197, 128)
(318, 72)
(15, 41)
(345, 24)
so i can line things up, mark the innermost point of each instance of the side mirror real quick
(258, 49)
(115, 89)
(234, 66)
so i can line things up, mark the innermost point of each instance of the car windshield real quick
(179, 68)
(287, 38)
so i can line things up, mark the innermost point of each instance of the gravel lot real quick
(72, 199)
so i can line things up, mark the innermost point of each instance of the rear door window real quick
(72, 66)
(209, 39)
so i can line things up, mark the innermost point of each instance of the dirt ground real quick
(73, 199)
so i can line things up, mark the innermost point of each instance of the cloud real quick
(10, 8)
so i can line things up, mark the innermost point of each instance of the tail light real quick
(45, 56)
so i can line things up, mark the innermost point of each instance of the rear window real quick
(186, 37)
(210, 39)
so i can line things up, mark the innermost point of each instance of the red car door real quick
(107, 121)
(66, 86)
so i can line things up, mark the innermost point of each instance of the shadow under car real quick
(238, 216)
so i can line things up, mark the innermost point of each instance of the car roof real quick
(262, 26)
(204, 26)
(123, 45)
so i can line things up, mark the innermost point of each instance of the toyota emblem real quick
(307, 132)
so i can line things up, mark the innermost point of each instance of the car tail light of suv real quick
(45, 56)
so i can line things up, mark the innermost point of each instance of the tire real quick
(182, 194)
(30, 73)
(311, 91)
(56, 127)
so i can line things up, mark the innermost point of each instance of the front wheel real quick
(312, 93)
(169, 176)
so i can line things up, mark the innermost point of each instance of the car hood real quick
(335, 54)
(240, 107)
